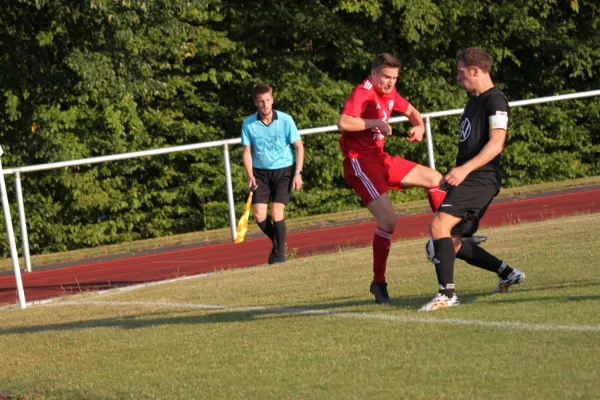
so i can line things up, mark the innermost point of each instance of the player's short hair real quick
(475, 57)
(385, 60)
(261, 88)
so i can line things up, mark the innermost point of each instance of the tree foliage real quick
(96, 77)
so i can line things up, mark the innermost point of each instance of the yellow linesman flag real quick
(242, 227)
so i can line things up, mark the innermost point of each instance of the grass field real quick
(309, 329)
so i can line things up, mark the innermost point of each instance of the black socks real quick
(477, 256)
(280, 233)
(444, 265)
(267, 227)
(276, 231)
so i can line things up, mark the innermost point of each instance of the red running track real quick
(44, 284)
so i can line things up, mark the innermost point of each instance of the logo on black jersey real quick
(465, 129)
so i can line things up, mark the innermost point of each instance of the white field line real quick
(113, 290)
(353, 315)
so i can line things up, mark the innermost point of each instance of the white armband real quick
(499, 121)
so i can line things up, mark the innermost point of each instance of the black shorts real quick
(468, 201)
(273, 185)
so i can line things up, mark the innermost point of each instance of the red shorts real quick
(370, 177)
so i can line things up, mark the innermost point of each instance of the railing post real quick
(429, 142)
(229, 192)
(11, 237)
(21, 206)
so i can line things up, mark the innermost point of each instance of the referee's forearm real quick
(299, 158)
(247, 161)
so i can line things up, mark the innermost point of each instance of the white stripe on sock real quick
(383, 234)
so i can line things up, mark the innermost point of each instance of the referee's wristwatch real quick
(298, 172)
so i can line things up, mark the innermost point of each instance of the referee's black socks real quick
(477, 256)
(444, 264)
(280, 233)
(267, 227)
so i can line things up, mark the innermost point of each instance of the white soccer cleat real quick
(441, 301)
(514, 278)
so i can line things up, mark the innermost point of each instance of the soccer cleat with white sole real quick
(514, 278)
(441, 301)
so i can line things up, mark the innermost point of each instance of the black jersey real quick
(479, 116)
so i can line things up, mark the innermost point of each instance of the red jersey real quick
(364, 102)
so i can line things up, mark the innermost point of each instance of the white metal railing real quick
(225, 143)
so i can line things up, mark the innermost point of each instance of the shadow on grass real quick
(414, 303)
(222, 314)
(229, 314)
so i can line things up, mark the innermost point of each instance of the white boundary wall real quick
(225, 144)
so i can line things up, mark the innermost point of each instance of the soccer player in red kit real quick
(370, 170)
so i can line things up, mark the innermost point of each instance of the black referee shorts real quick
(273, 185)
(468, 201)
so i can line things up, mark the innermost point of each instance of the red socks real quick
(435, 197)
(382, 242)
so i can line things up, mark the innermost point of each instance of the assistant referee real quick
(271, 166)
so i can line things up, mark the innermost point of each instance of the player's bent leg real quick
(422, 176)
(383, 211)
(479, 257)
(428, 178)
(477, 240)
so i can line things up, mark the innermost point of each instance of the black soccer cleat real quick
(277, 259)
(273, 252)
(380, 292)
(475, 239)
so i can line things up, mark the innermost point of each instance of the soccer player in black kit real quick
(472, 184)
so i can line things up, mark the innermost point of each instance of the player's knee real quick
(437, 228)
(433, 178)
(389, 224)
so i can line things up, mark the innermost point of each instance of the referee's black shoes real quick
(277, 259)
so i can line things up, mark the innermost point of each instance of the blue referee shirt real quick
(270, 144)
